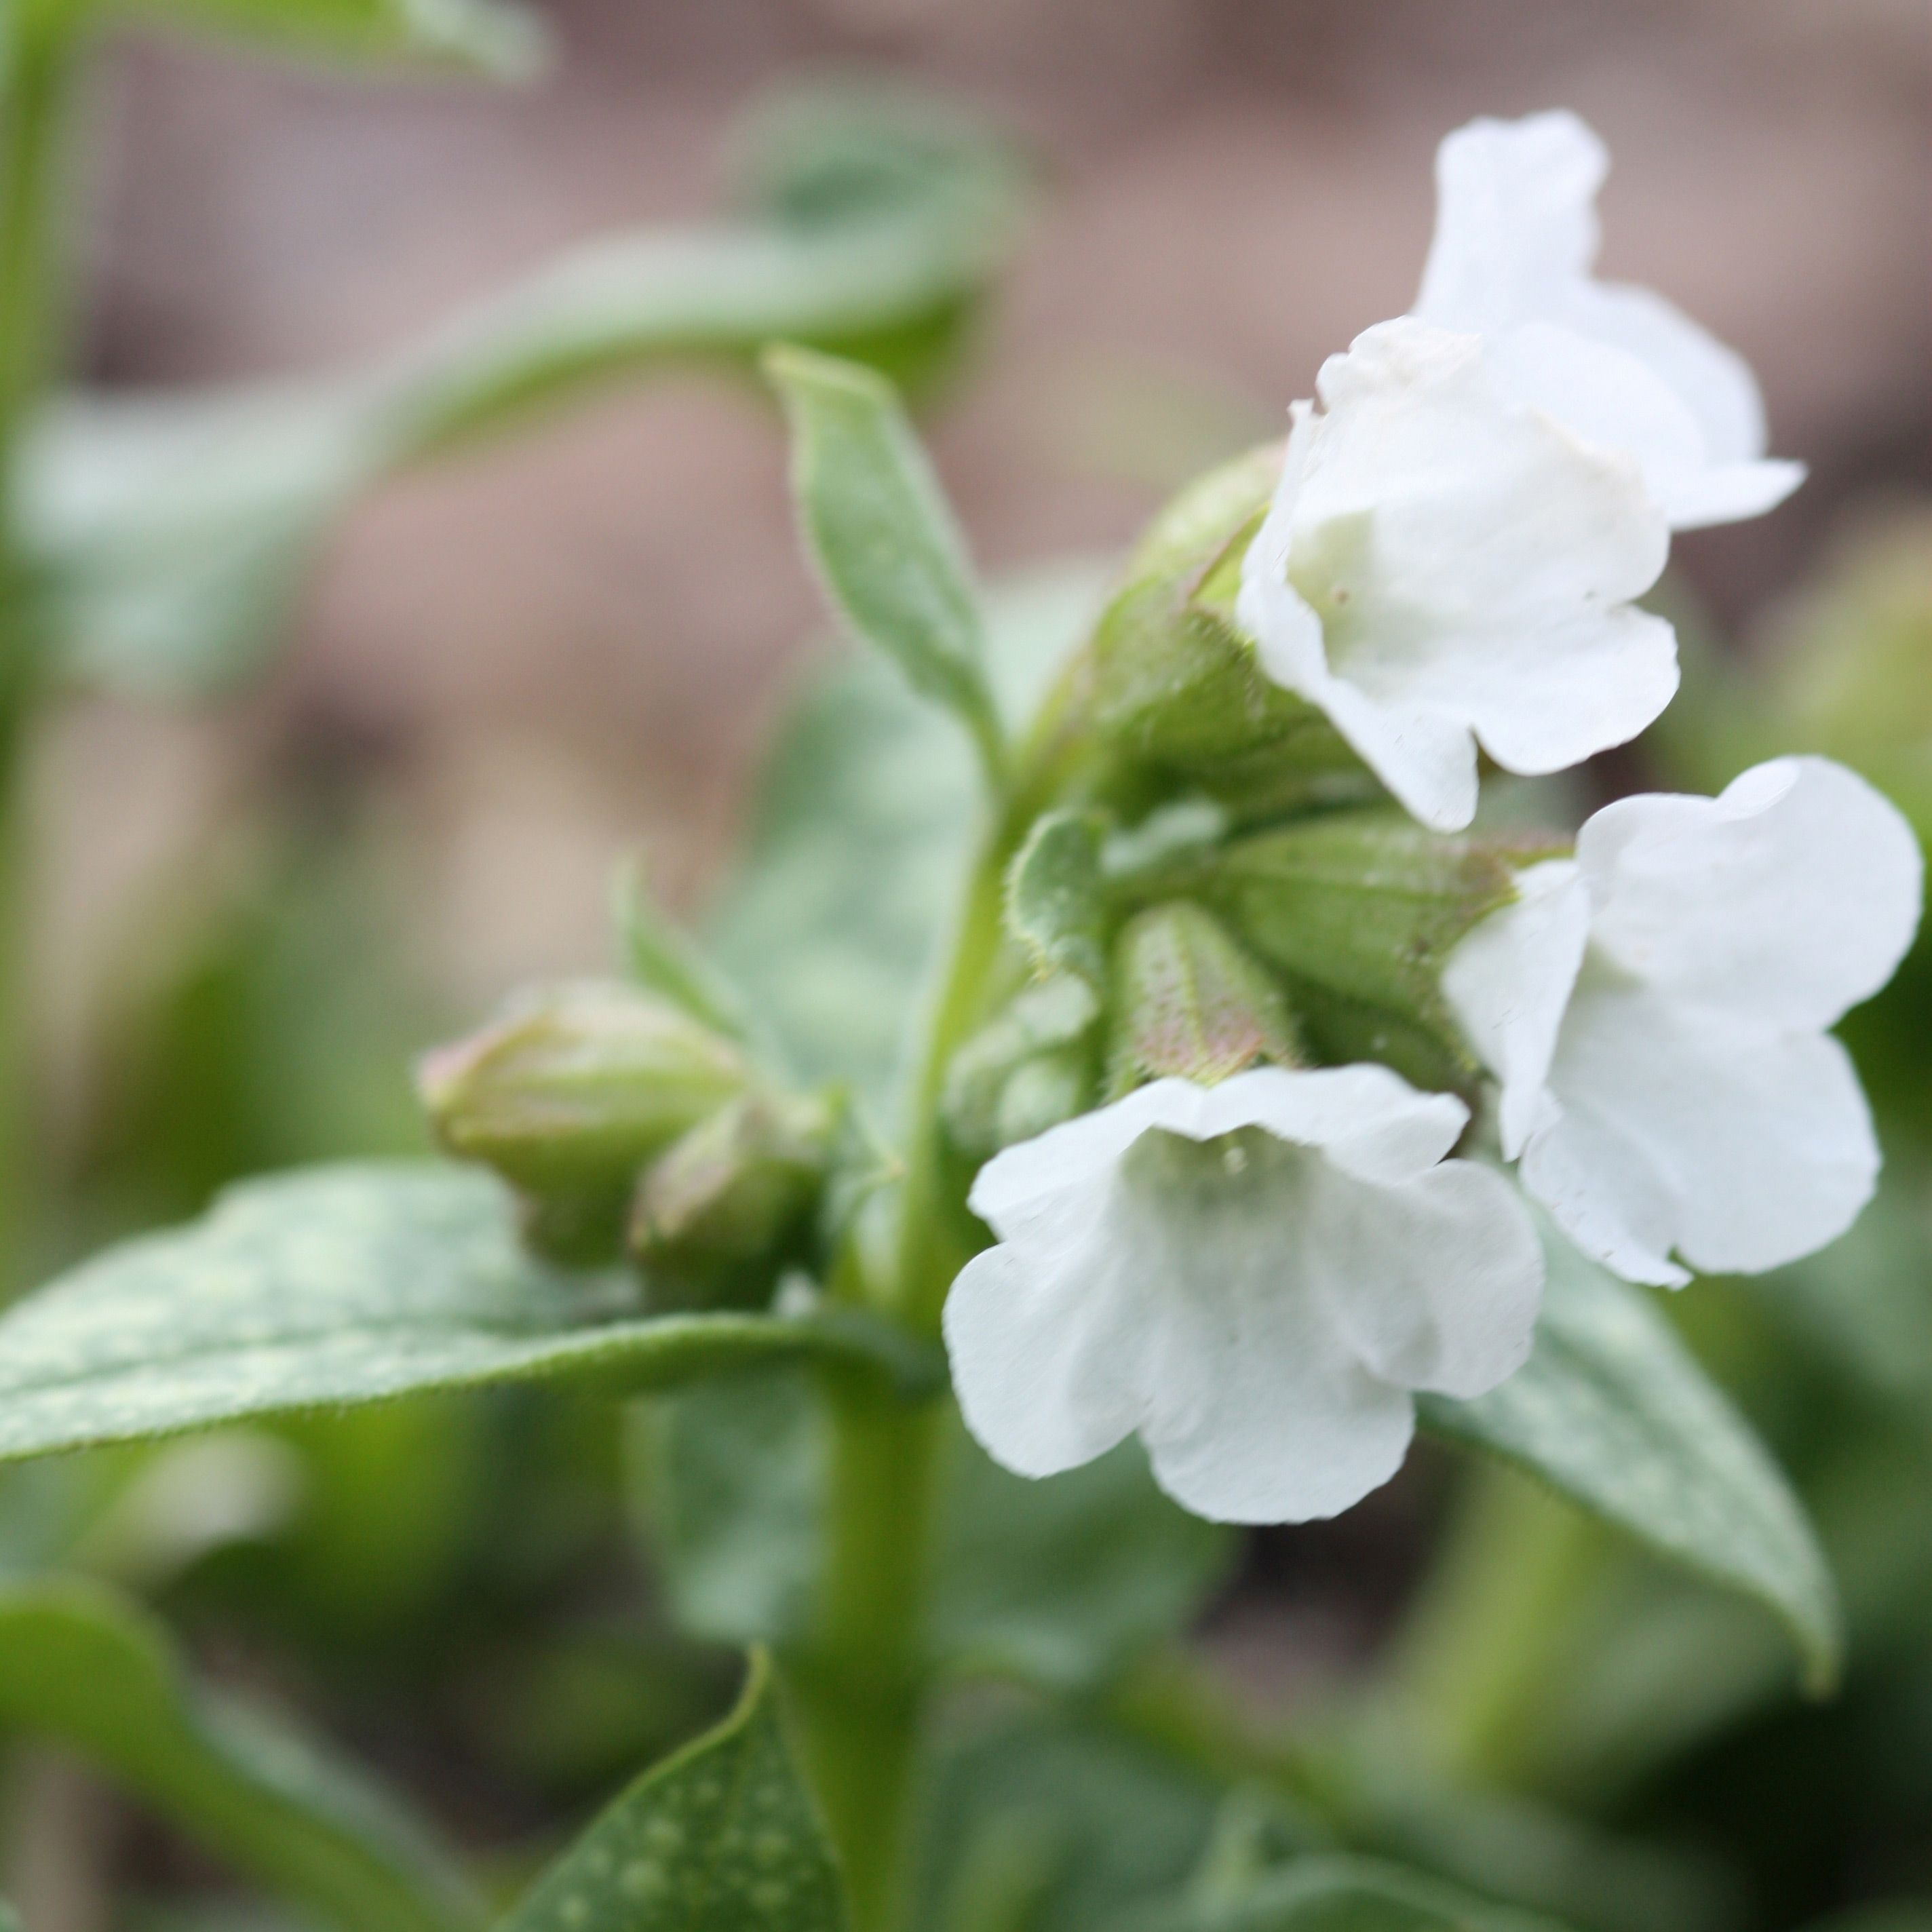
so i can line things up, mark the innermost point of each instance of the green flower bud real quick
(1189, 999)
(732, 1201)
(1361, 911)
(572, 1090)
(1027, 1070)
(1176, 683)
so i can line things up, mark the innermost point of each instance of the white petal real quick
(1468, 563)
(1017, 1180)
(1712, 380)
(1515, 238)
(1740, 1148)
(1368, 1120)
(1435, 1283)
(1262, 1412)
(1516, 219)
(1790, 897)
(1508, 984)
(1046, 1337)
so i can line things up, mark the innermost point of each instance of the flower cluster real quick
(1254, 1274)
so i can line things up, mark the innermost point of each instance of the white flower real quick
(1252, 1277)
(1655, 1010)
(1441, 564)
(1516, 236)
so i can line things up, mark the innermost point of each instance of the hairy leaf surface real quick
(1612, 1411)
(347, 1284)
(722, 1838)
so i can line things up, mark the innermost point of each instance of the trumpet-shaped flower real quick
(1655, 1011)
(1441, 564)
(1515, 237)
(1252, 1277)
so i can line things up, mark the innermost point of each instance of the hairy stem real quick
(861, 1685)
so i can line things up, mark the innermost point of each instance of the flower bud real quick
(1190, 1001)
(571, 1092)
(1176, 683)
(731, 1200)
(1361, 911)
(1027, 1070)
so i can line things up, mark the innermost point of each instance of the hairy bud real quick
(1189, 1000)
(1177, 684)
(732, 1199)
(569, 1093)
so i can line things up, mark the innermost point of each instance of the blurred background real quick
(514, 667)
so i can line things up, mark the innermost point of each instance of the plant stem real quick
(860, 1686)
(40, 52)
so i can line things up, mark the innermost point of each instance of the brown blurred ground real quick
(578, 639)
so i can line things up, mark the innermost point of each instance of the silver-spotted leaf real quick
(346, 1284)
(1613, 1411)
(722, 1838)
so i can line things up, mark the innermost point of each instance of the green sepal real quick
(881, 534)
(1055, 906)
(1028, 1068)
(571, 1092)
(732, 1201)
(1367, 907)
(1176, 683)
(721, 1837)
(1189, 1000)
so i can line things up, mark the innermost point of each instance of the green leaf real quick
(1085, 1825)
(486, 36)
(10, 1920)
(1340, 1894)
(722, 1838)
(1059, 1582)
(1054, 905)
(858, 841)
(176, 530)
(80, 1667)
(880, 532)
(346, 1284)
(1613, 1411)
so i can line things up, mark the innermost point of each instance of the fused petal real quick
(1790, 897)
(1442, 565)
(1508, 984)
(1516, 240)
(1254, 1276)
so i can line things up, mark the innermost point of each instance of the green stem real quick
(40, 52)
(861, 1685)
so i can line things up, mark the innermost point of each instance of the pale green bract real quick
(882, 536)
(1613, 1411)
(721, 1837)
(351, 1284)
(79, 1667)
